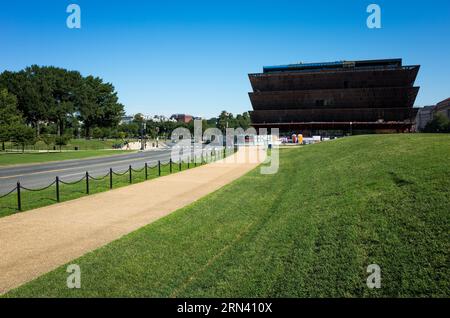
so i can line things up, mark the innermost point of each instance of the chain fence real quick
(134, 175)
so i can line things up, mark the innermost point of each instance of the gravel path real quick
(35, 242)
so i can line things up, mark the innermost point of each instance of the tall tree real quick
(12, 127)
(62, 87)
(223, 121)
(32, 94)
(98, 105)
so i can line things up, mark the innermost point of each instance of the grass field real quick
(40, 157)
(310, 230)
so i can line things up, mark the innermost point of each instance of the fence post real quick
(87, 182)
(57, 189)
(195, 161)
(146, 171)
(19, 200)
(159, 168)
(170, 163)
(131, 177)
(189, 161)
(110, 178)
(179, 165)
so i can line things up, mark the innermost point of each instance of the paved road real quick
(40, 175)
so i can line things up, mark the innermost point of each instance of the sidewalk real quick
(35, 242)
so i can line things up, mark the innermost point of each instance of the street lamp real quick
(144, 126)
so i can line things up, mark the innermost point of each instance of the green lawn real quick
(310, 230)
(82, 144)
(40, 157)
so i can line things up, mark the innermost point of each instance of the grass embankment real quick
(310, 230)
(9, 158)
(35, 199)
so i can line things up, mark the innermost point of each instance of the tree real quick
(138, 119)
(223, 122)
(439, 124)
(130, 130)
(63, 86)
(47, 94)
(98, 105)
(243, 121)
(31, 94)
(12, 127)
(48, 139)
(23, 135)
(97, 133)
(62, 140)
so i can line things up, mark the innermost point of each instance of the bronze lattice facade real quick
(337, 97)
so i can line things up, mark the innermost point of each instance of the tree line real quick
(162, 127)
(439, 124)
(55, 100)
(53, 105)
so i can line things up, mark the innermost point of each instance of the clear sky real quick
(193, 57)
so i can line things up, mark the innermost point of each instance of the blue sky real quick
(193, 57)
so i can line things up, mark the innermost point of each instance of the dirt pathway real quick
(35, 242)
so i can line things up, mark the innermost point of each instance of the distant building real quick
(424, 115)
(335, 98)
(427, 113)
(444, 108)
(125, 120)
(182, 118)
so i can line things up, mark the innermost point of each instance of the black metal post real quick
(87, 182)
(110, 178)
(57, 189)
(179, 165)
(19, 200)
(170, 164)
(189, 161)
(159, 168)
(195, 161)
(131, 177)
(146, 171)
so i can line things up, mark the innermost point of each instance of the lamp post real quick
(157, 136)
(144, 126)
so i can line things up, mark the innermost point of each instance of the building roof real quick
(333, 65)
(444, 103)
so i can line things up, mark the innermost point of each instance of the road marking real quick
(56, 170)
